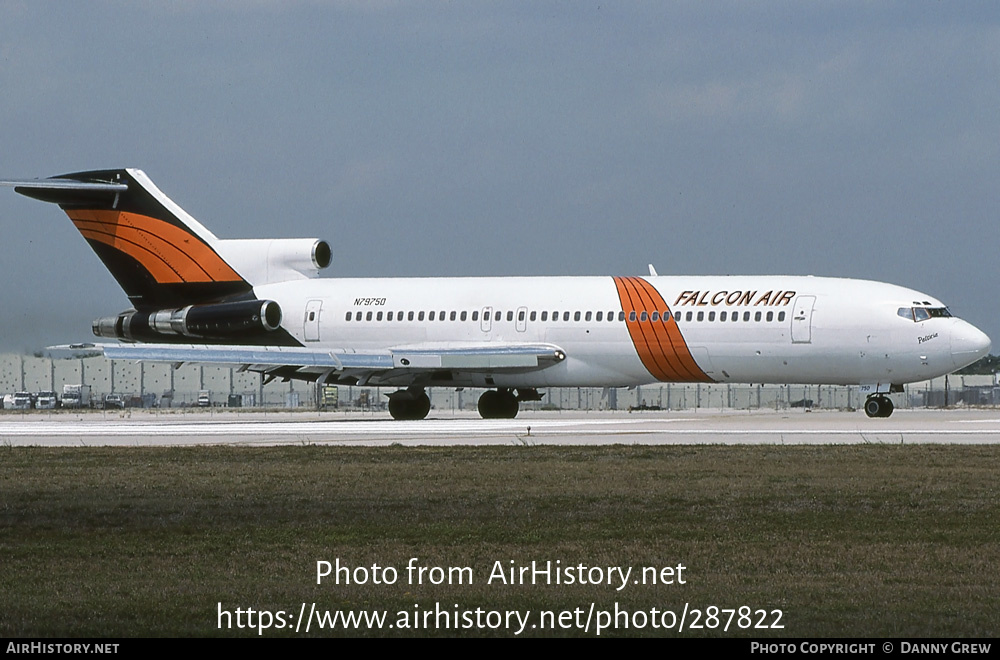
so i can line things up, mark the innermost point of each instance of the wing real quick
(403, 366)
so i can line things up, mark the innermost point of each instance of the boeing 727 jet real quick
(259, 305)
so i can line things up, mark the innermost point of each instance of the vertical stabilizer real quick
(159, 254)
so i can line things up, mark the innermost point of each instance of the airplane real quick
(260, 305)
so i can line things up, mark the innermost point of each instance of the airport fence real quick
(162, 385)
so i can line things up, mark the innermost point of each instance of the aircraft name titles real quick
(735, 298)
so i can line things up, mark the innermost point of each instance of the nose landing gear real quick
(878, 405)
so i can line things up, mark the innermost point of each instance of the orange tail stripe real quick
(158, 268)
(659, 344)
(166, 251)
(151, 251)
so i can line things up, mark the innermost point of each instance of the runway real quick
(175, 428)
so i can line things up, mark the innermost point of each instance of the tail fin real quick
(159, 254)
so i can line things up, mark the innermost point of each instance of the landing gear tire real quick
(409, 405)
(878, 406)
(498, 404)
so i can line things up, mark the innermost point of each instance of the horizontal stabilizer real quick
(63, 184)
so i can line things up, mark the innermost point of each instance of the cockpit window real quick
(918, 314)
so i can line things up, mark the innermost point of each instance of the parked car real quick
(114, 401)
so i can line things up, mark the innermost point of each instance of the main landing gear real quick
(878, 405)
(498, 404)
(412, 403)
(503, 403)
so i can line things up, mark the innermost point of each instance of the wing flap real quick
(413, 359)
(478, 358)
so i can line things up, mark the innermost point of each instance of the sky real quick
(847, 139)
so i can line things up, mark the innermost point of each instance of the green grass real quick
(846, 541)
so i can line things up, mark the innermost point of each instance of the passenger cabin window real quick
(600, 316)
(348, 317)
(475, 315)
(545, 316)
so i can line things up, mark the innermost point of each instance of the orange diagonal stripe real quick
(659, 344)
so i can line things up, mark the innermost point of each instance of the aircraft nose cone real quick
(968, 344)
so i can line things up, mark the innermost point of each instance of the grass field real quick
(845, 541)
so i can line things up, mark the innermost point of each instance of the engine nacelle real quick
(269, 260)
(219, 321)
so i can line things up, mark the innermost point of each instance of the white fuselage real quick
(756, 329)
